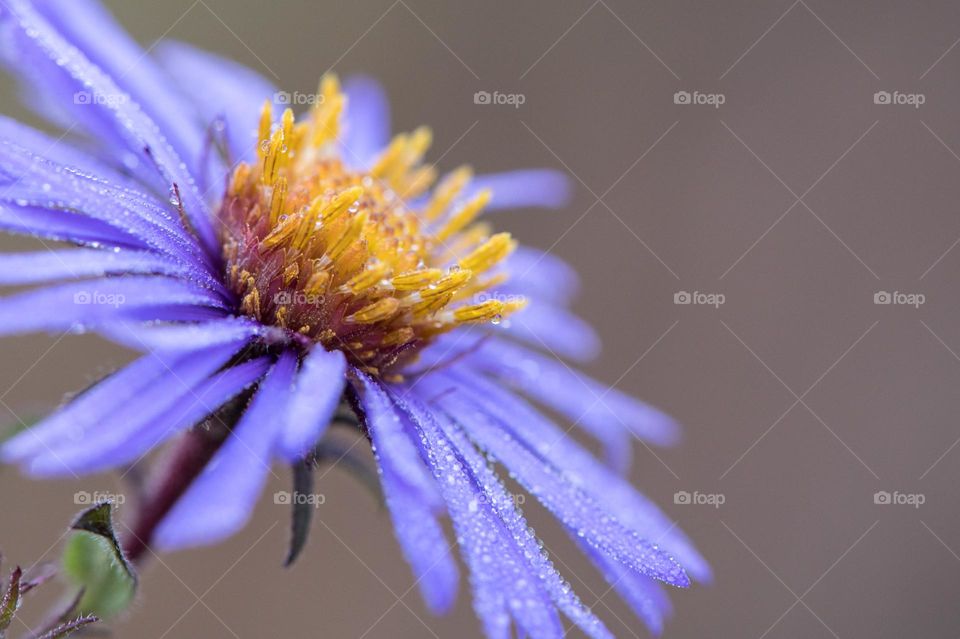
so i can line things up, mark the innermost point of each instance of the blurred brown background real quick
(798, 199)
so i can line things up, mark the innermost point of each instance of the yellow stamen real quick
(317, 283)
(290, 273)
(280, 234)
(415, 280)
(488, 254)
(447, 284)
(390, 157)
(238, 181)
(278, 199)
(376, 312)
(446, 191)
(482, 312)
(466, 214)
(431, 305)
(479, 285)
(367, 278)
(339, 255)
(513, 306)
(329, 87)
(272, 159)
(342, 202)
(352, 234)
(280, 316)
(326, 121)
(266, 123)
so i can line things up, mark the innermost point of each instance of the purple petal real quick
(599, 409)
(89, 407)
(553, 329)
(140, 132)
(91, 28)
(52, 93)
(220, 501)
(102, 444)
(421, 537)
(459, 348)
(316, 393)
(491, 514)
(642, 594)
(367, 123)
(387, 434)
(93, 303)
(32, 180)
(501, 576)
(575, 508)
(543, 188)
(557, 448)
(175, 338)
(190, 410)
(411, 494)
(231, 92)
(53, 265)
(541, 275)
(60, 151)
(63, 227)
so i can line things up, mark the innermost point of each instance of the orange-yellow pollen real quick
(337, 254)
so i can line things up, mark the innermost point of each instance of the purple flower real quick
(271, 268)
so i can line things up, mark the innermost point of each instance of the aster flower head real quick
(273, 268)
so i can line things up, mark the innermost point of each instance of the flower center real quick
(341, 257)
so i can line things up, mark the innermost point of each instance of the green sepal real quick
(93, 559)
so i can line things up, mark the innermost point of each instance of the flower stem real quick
(184, 463)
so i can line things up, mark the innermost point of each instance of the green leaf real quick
(94, 560)
(10, 602)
